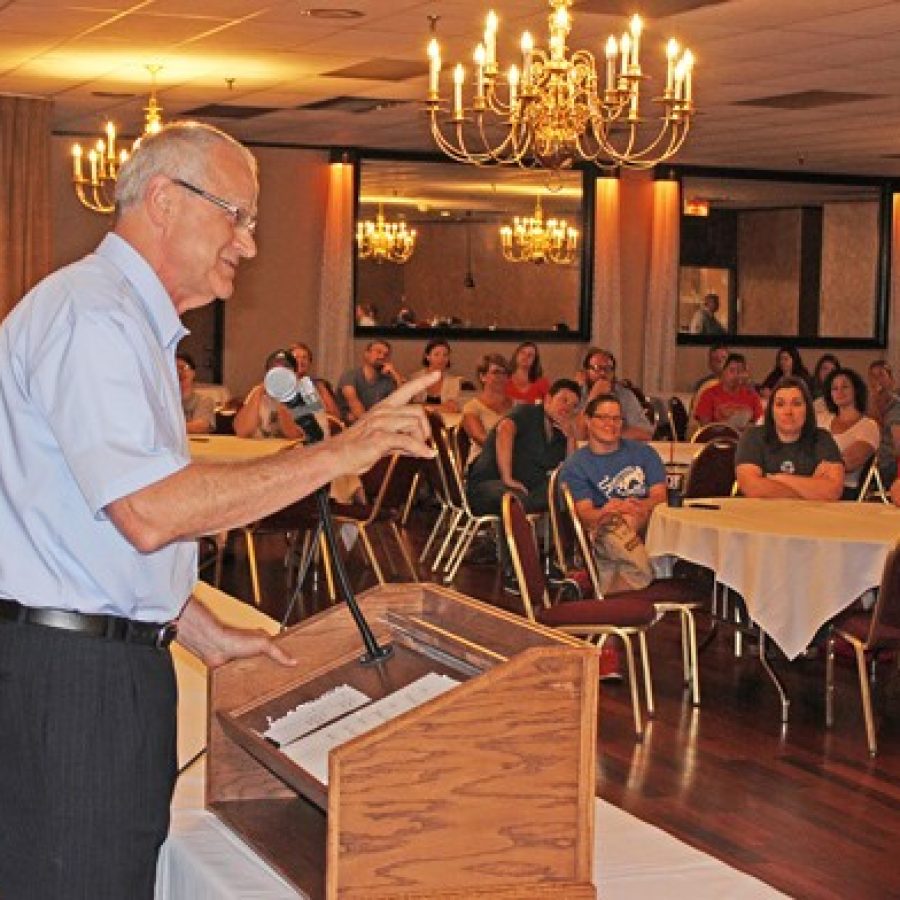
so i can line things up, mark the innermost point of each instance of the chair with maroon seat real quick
(711, 473)
(870, 634)
(565, 545)
(714, 431)
(678, 595)
(388, 482)
(591, 619)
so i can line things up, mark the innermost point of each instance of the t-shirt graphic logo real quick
(788, 467)
(629, 482)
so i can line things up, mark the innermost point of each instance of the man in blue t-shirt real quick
(613, 475)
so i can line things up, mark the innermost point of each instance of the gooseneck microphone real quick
(300, 396)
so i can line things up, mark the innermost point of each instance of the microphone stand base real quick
(379, 656)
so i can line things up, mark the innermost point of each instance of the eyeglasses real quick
(242, 218)
(597, 368)
(608, 420)
(497, 372)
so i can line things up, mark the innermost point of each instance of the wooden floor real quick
(799, 807)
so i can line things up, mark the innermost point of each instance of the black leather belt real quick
(114, 628)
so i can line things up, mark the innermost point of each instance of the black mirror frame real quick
(577, 336)
(886, 188)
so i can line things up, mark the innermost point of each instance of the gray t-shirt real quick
(887, 461)
(797, 458)
(369, 392)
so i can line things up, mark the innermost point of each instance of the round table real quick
(796, 563)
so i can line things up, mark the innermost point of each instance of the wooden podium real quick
(484, 791)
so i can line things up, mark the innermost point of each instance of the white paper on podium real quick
(309, 716)
(311, 752)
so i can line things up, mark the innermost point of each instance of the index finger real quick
(404, 394)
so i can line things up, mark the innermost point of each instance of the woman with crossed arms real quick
(788, 456)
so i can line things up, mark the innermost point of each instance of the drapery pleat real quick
(662, 292)
(606, 321)
(25, 220)
(335, 336)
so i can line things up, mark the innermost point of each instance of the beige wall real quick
(277, 295)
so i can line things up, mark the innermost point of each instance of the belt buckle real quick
(166, 635)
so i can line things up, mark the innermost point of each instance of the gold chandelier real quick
(384, 241)
(96, 189)
(554, 111)
(530, 239)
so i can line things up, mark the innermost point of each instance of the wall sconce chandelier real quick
(95, 190)
(553, 111)
(530, 239)
(384, 241)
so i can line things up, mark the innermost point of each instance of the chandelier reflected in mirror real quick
(530, 239)
(383, 241)
(95, 188)
(557, 107)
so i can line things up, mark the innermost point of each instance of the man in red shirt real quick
(731, 400)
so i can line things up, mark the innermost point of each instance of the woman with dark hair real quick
(443, 395)
(787, 362)
(263, 417)
(526, 382)
(825, 365)
(486, 409)
(788, 456)
(856, 435)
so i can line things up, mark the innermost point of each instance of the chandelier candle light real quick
(529, 239)
(384, 241)
(554, 110)
(95, 190)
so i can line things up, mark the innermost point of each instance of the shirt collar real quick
(149, 289)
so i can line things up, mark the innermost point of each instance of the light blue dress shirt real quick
(90, 411)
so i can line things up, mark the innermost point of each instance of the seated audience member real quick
(856, 435)
(303, 357)
(895, 493)
(788, 456)
(263, 417)
(365, 315)
(613, 478)
(443, 395)
(705, 320)
(405, 318)
(519, 454)
(361, 388)
(526, 383)
(598, 376)
(884, 408)
(486, 409)
(825, 365)
(715, 362)
(787, 362)
(730, 400)
(199, 410)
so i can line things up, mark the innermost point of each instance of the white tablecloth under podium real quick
(204, 860)
(796, 563)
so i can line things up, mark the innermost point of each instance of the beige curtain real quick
(335, 338)
(25, 220)
(661, 323)
(606, 321)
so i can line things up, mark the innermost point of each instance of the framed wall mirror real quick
(463, 276)
(769, 258)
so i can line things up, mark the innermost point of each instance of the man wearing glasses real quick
(100, 509)
(598, 376)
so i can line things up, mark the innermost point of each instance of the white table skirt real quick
(204, 860)
(796, 563)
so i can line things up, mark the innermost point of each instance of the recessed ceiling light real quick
(334, 13)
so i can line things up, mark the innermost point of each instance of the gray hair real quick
(179, 149)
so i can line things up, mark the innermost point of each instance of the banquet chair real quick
(293, 520)
(567, 555)
(592, 619)
(462, 446)
(712, 473)
(389, 482)
(714, 431)
(871, 485)
(869, 634)
(668, 595)
(662, 430)
(449, 512)
(678, 419)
